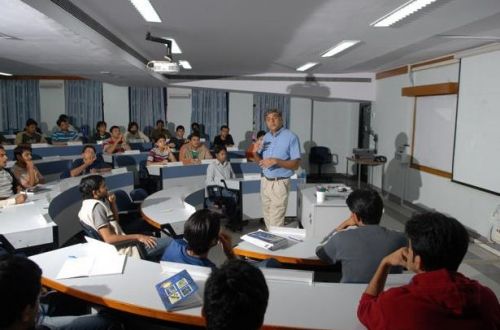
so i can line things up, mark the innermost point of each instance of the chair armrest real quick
(335, 159)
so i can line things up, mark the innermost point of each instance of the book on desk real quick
(179, 291)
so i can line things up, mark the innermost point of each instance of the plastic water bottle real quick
(302, 175)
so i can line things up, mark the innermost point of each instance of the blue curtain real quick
(84, 104)
(264, 102)
(147, 105)
(19, 100)
(209, 108)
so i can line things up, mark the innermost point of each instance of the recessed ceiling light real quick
(175, 47)
(306, 66)
(401, 12)
(5, 74)
(340, 47)
(185, 64)
(147, 11)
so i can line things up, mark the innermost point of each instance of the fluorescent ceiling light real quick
(403, 11)
(175, 47)
(306, 66)
(5, 74)
(340, 47)
(185, 64)
(147, 11)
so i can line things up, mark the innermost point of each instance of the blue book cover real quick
(179, 291)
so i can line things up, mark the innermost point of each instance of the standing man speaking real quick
(279, 157)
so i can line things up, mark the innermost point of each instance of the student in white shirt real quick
(221, 170)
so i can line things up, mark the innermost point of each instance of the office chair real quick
(322, 156)
(138, 195)
(130, 218)
(92, 233)
(227, 206)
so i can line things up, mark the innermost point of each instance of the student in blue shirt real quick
(201, 233)
(279, 157)
(64, 134)
(89, 163)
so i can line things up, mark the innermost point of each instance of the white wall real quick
(116, 106)
(240, 119)
(392, 116)
(52, 103)
(300, 124)
(179, 109)
(335, 125)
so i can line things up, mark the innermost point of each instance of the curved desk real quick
(50, 217)
(292, 304)
(296, 253)
(171, 207)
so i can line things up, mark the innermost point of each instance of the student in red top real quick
(116, 143)
(438, 297)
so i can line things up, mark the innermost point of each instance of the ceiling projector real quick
(163, 66)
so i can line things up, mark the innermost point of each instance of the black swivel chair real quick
(92, 233)
(322, 156)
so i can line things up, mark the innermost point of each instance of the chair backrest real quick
(138, 195)
(91, 232)
(123, 201)
(320, 155)
(5, 245)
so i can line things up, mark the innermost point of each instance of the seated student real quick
(235, 297)
(9, 186)
(438, 297)
(24, 170)
(89, 163)
(178, 140)
(101, 133)
(161, 154)
(194, 151)
(116, 143)
(224, 138)
(197, 128)
(100, 212)
(201, 233)
(66, 118)
(221, 170)
(133, 134)
(160, 130)
(360, 249)
(20, 288)
(255, 146)
(30, 135)
(64, 134)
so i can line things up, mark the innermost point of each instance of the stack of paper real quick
(101, 259)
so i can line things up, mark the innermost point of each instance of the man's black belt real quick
(278, 178)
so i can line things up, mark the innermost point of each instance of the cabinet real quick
(319, 219)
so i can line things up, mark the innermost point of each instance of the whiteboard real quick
(434, 131)
(477, 145)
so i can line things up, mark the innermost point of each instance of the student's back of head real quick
(439, 240)
(201, 231)
(235, 297)
(19, 289)
(367, 205)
